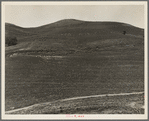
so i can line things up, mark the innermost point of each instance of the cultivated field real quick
(31, 79)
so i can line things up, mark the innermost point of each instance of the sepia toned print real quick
(74, 61)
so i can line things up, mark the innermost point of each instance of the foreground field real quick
(119, 104)
(31, 80)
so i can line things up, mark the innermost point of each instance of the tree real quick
(124, 32)
(10, 41)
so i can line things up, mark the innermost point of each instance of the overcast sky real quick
(37, 15)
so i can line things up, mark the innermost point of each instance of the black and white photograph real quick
(74, 60)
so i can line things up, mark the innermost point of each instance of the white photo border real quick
(86, 116)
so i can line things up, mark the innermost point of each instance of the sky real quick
(38, 15)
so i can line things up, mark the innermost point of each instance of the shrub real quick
(124, 32)
(10, 41)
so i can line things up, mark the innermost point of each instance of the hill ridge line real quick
(73, 22)
(75, 98)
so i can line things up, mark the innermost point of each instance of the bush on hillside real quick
(10, 41)
(124, 32)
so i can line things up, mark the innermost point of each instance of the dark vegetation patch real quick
(10, 40)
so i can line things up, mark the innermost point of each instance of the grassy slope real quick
(78, 36)
(111, 62)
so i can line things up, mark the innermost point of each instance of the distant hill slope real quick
(76, 35)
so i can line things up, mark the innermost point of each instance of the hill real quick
(72, 58)
(71, 36)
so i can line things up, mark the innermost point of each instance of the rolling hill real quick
(74, 35)
(72, 58)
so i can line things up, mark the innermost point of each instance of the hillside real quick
(71, 36)
(72, 58)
